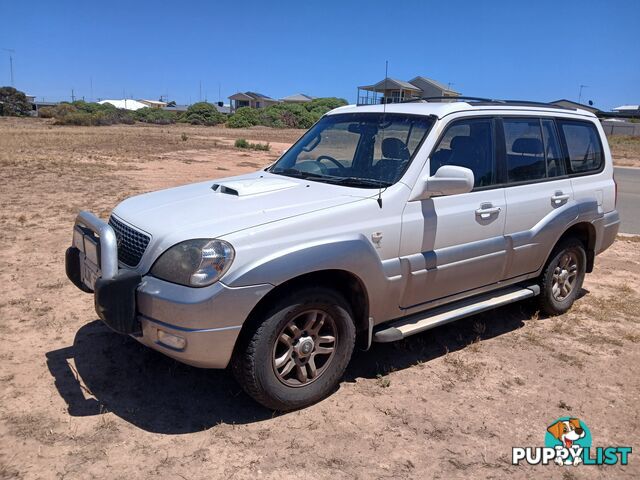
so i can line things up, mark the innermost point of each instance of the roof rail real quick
(490, 101)
(525, 103)
(433, 99)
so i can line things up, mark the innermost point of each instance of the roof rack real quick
(490, 101)
(433, 99)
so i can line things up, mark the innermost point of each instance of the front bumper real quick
(207, 320)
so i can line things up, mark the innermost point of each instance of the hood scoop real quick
(253, 186)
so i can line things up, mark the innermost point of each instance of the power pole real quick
(200, 92)
(11, 52)
(73, 97)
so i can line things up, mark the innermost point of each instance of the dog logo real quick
(568, 441)
(567, 431)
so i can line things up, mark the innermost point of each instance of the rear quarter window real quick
(583, 146)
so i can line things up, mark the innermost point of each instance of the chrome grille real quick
(131, 242)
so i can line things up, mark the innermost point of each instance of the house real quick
(392, 90)
(37, 105)
(625, 111)
(297, 98)
(633, 109)
(563, 102)
(251, 100)
(153, 103)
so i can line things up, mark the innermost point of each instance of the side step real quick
(422, 321)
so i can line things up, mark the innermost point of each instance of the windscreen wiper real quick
(361, 182)
(292, 172)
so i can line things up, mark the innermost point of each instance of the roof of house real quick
(125, 103)
(258, 96)
(153, 102)
(626, 107)
(563, 102)
(433, 82)
(298, 97)
(250, 96)
(389, 84)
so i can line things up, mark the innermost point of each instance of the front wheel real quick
(562, 278)
(298, 352)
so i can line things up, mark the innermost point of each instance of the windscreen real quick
(360, 149)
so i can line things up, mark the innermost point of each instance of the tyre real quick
(297, 352)
(562, 278)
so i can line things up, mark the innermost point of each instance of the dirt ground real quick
(78, 401)
(625, 150)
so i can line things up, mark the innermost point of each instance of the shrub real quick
(325, 104)
(242, 143)
(155, 115)
(184, 137)
(14, 103)
(243, 118)
(47, 112)
(285, 115)
(202, 113)
(83, 113)
(75, 118)
(265, 147)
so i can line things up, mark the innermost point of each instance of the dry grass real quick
(625, 150)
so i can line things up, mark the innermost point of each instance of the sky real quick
(191, 50)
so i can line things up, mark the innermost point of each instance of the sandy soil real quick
(625, 150)
(78, 401)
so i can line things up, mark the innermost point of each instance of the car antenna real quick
(384, 111)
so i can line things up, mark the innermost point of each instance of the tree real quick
(13, 102)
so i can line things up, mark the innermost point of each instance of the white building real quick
(127, 104)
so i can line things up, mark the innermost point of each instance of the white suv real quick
(380, 222)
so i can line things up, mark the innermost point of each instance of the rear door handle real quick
(559, 198)
(486, 210)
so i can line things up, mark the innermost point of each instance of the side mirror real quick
(448, 180)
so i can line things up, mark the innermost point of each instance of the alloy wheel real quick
(304, 348)
(564, 276)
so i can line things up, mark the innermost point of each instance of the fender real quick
(351, 253)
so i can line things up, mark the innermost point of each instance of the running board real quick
(422, 321)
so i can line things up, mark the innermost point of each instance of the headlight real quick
(194, 263)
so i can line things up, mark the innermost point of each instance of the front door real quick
(454, 244)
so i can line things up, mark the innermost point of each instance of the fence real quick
(621, 128)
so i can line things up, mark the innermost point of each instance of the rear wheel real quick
(298, 351)
(562, 278)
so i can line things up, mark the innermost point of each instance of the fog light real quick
(171, 341)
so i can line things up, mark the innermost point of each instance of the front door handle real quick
(558, 198)
(486, 210)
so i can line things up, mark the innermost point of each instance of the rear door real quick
(537, 190)
(454, 244)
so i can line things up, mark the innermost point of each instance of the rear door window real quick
(525, 150)
(583, 145)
